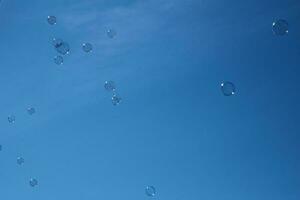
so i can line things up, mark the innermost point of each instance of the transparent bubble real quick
(59, 60)
(20, 160)
(33, 182)
(87, 47)
(116, 99)
(61, 46)
(11, 119)
(110, 85)
(31, 110)
(280, 27)
(51, 20)
(228, 88)
(150, 191)
(63, 49)
(56, 42)
(111, 33)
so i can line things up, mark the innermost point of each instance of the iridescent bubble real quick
(280, 27)
(150, 191)
(116, 99)
(33, 182)
(20, 160)
(87, 47)
(110, 85)
(31, 110)
(51, 20)
(111, 33)
(11, 119)
(59, 60)
(228, 88)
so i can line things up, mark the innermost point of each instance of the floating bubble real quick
(11, 119)
(56, 42)
(33, 182)
(228, 88)
(116, 99)
(59, 60)
(61, 46)
(110, 85)
(150, 191)
(31, 110)
(111, 33)
(87, 47)
(20, 160)
(51, 20)
(280, 27)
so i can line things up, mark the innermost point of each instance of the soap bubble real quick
(87, 47)
(111, 33)
(51, 20)
(59, 60)
(33, 182)
(116, 99)
(280, 27)
(20, 160)
(31, 110)
(228, 88)
(150, 191)
(61, 46)
(11, 119)
(110, 85)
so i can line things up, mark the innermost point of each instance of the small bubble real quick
(150, 191)
(87, 47)
(33, 182)
(59, 60)
(228, 88)
(51, 20)
(110, 85)
(31, 110)
(61, 46)
(56, 42)
(116, 99)
(280, 27)
(111, 33)
(20, 160)
(11, 119)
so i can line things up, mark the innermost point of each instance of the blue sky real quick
(174, 129)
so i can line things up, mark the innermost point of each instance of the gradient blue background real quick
(174, 129)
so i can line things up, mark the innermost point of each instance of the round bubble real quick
(63, 48)
(111, 33)
(87, 47)
(150, 191)
(59, 60)
(11, 119)
(33, 182)
(20, 160)
(228, 88)
(56, 42)
(116, 99)
(31, 110)
(51, 20)
(280, 27)
(110, 85)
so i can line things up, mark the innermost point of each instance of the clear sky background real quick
(174, 130)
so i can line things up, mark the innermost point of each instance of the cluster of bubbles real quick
(63, 48)
(110, 86)
(20, 160)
